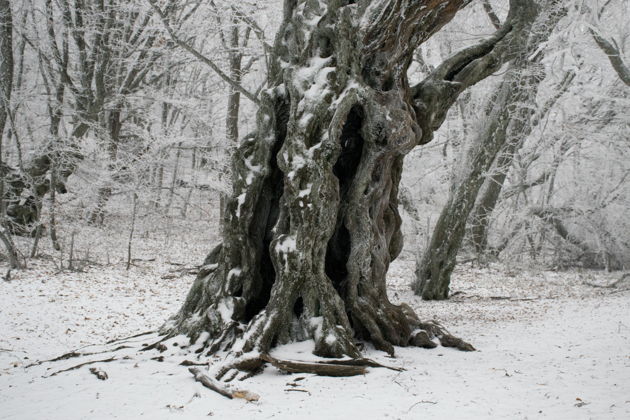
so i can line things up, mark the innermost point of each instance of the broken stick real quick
(207, 381)
(318, 368)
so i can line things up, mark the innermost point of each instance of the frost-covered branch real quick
(614, 56)
(467, 67)
(252, 97)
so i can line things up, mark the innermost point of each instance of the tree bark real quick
(113, 126)
(234, 96)
(6, 65)
(489, 196)
(6, 88)
(507, 117)
(611, 49)
(313, 223)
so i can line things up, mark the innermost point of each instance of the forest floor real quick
(549, 345)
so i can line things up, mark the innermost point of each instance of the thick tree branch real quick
(614, 56)
(407, 23)
(260, 34)
(516, 189)
(464, 69)
(494, 19)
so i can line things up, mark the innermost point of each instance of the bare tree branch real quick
(202, 57)
(614, 56)
(494, 19)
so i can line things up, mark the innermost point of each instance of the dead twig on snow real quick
(111, 359)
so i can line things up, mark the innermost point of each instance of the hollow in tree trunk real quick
(313, 222)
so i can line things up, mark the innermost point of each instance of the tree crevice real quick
(266, 216)
(339, 245)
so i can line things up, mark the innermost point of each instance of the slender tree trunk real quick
(436, 265)
(494, 184)
(53, 211)
(160, 181)
(113, 126)
(37, 234)
(56, 112)
(234, 101)
(6, 87)
(171, 190)
(5, 237)
(134, 213)
(6, 67)
(313, 222)
(508, 116)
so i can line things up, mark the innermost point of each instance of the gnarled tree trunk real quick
(313, 221)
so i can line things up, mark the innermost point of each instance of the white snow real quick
(225, 309)
(317, 324)
(235, 272)
(562, 353)
(240, 200)
(311, 80)
(305, 192)
(253, 170)
(286, 245)
(330, 339)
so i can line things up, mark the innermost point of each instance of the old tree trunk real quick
(313, 222)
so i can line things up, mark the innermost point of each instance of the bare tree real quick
(493, 185)
(613, 48)
(509, 115)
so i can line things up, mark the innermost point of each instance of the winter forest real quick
(318, 209)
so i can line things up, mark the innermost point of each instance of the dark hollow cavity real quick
(345, 170)
(266, 216)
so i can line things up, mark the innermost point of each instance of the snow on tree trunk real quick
(313, 222)
(506, 121)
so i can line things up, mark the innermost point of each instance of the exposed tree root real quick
(111, 359)
(446, 339)
(191, 363)
(74, 354)
(123, 339)
(361, 362)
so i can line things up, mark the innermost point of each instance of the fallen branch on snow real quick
(209, 383)
(111, 359)
(350, 367)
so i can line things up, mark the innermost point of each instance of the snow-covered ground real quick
(549, 346)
